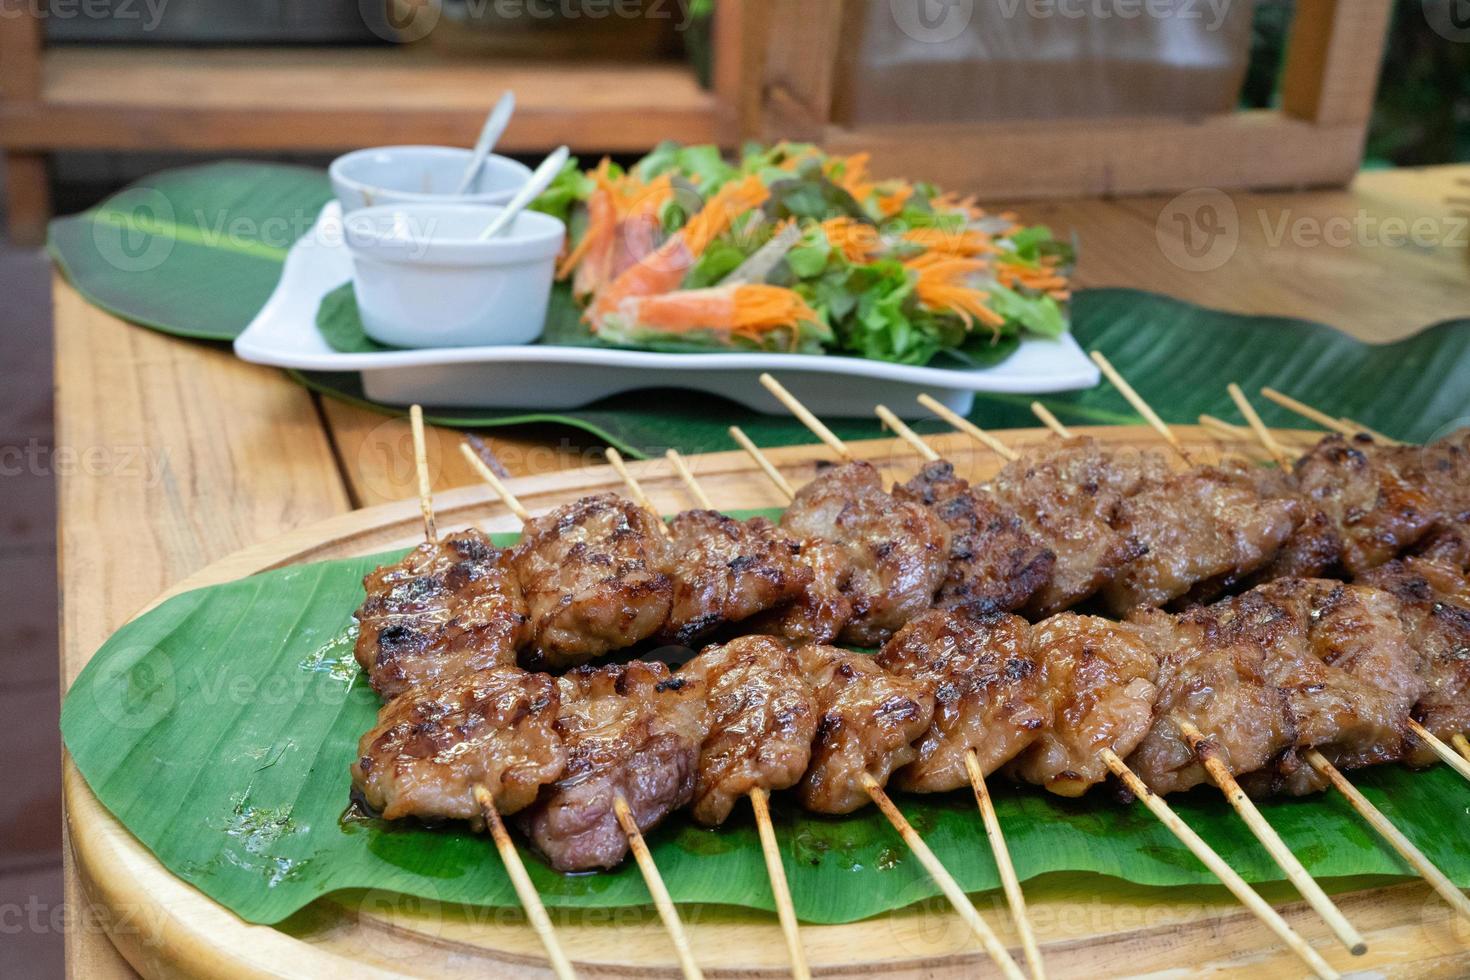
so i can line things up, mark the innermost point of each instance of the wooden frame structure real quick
(776, 69)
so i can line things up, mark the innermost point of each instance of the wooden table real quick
(191, 454)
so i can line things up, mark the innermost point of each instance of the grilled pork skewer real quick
(858, 721)
(632, 733)
(493, 722)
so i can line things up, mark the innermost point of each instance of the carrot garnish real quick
(964, 243)
(942, 285)
(720, 212)
(858, 242)
(750, 311)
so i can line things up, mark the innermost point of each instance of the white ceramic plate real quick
(284, 335)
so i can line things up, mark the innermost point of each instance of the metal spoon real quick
(540, 179)
(495, 123)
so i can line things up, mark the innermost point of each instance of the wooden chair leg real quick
(27, 198)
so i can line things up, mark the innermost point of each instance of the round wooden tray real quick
(166, 928)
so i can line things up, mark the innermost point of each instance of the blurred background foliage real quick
(1422, 114)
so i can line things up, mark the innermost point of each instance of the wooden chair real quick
(775, 75)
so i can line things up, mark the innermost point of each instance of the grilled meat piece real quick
(1441, 469)
(1067, 494)
(822, 609)
(1206, 523)
(995, 563)
(896, 551)
(868, 721)
(762, 719)
(1434, 607)
(595, 578)
(1212, 673)
(726, 570)
(494, 727)
(990, 693)
(445, 608)
(1101, 678)
(632, 730)
(1376, 510)
(1350, 682)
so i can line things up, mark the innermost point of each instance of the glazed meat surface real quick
(867, 722)
(1441, 470)
(990, 693)
(762, 719)
(1067, 494)
(1212, 673)
(822, 609)
(726, 570)
(445, 608)
(594, 574)
(1349, 687)
(1202, 524)
(1434, 607)
(631, 730)
(494, 728)
(1101, 678)
(995, 563)
(896, 551)
(1375, 509)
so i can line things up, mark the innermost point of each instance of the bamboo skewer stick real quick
(1225, 430)
(1460, 742)
(1049, 420)
(969, 428)
(635, 489)
(667, 912)
(761, 460)
(656, 887)
(1263, 435)
(1448, 755)
(805, 416)
(525, 890)
(1139, 405)
(944, 880)
(421, 471)
(1271, 841)
(776, 871)
(514, 868)
(896, 424)
(1216, 864)
(1308, 412)
(1008, 880)
(501, 490)
(1375, 818)
(780, 889)
(685, 474)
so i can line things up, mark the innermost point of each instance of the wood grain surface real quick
(1083, 933)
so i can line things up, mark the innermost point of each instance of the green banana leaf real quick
(197, 251)
(1179, 356)
(218, 728)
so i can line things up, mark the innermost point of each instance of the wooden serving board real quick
(166, 928)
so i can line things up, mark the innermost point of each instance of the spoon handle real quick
(540, 179)
(495, 124)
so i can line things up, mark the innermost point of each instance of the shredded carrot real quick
(851, 174)
(963, 243)
(1013, 274)
(892, 196)
(728, 203)
(941, 283)
(858, 242)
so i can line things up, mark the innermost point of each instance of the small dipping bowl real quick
(424, 280)
(421, 175)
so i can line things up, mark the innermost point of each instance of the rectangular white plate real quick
(284, 335)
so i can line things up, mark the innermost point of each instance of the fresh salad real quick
(790, 249)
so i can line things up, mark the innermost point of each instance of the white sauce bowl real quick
(424, 280)
(421, 175)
